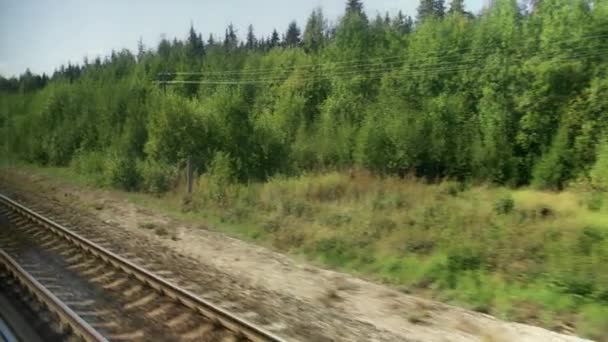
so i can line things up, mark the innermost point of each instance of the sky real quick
(43, 34)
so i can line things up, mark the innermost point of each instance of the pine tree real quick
(251, 40)
(354, 6)
(402, 23)
(210, 40)
(292, 35)
(196, 48)
(274, 39)
(439, 8)
(141, 51)
(230, 40)
(456, 6)
(314, 34)
(430, 8)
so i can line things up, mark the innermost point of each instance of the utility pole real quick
(189, 175)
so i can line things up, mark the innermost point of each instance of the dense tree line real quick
(517, 94)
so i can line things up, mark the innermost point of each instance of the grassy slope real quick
(524, 255)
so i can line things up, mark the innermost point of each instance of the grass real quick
(524, 255)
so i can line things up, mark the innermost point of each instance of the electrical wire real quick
(420, 70)
(363, 63)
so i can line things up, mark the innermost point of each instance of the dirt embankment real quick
(292, 299)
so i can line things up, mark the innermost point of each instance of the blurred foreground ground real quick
(528, 256)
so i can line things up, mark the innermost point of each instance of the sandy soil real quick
(292, 299)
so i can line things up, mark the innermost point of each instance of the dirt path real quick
(290, 298)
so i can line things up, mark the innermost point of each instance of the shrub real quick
(599, 173)
(296, 208)
(504, 205)
(220, 175)
(121, 172)
(463, 259)
(587, 238)
(594, 201)
(337, 219)
(593, 321)
(156, 177)
(331, 187)
(394, 200)
(381, 226)
(334, 251)
(90, 164)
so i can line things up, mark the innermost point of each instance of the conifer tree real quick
(251, 40)
(314, 34)
(195, 45)
(292, 35)
(456, 6)
(274, 39)
(230, 39)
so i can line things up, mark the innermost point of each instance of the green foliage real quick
(220, 175)
(122, 172)
(90, 163)
(156, 177)
(509, 96)
(599, 172)
(504, 205)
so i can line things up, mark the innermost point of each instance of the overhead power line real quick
(381, 71)
(367, 63)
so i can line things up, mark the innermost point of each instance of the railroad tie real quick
(103, 276)
(142, 301)
(179, 319)
(132, 290)
(104, 325)
(79, 303)
(198, 333)
(96, 313)
(163, 308)
(73, 258)
(126, 336)
(81, 265)
(116, 283)
(93, 270)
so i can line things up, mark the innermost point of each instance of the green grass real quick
(523, 255)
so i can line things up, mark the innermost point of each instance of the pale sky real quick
(43, 34)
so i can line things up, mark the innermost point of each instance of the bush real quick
(90, 163)
(593, 321)
(594, 201)
(220, 175)
(330, 187)
(463, 259)
(599, 173)
(121, 172)
(156, 177)
(504, 205)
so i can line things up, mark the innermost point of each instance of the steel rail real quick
(216, 314)
(66, 316)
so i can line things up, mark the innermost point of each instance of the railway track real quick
(90, 290)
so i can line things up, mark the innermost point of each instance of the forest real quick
(455, 155)
(514, 95)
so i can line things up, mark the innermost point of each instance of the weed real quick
(147, 225)
(297, 208)
(161, 231)
(594, 201)
(504, 205)
(593, 321)
(272, 225)
(337, 219)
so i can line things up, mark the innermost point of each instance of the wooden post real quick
(189, 175)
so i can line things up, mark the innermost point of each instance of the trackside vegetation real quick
(456, 155)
